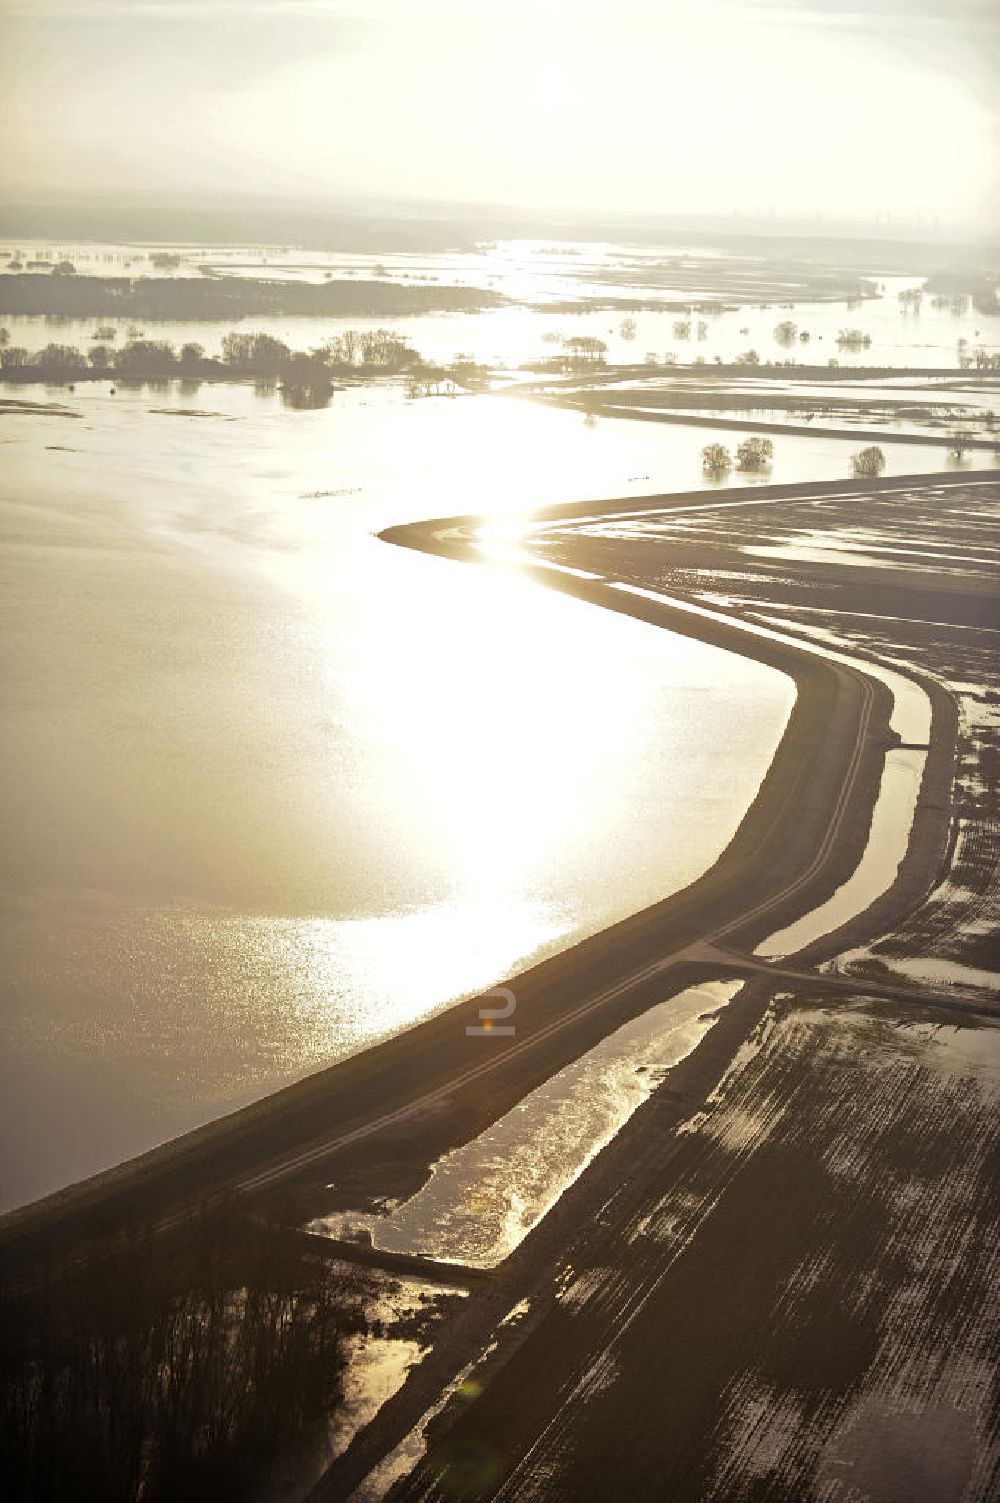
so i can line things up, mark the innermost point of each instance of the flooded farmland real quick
(338, 866)
(809, 1272)
(216, 620)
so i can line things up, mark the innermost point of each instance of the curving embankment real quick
(376, 1121)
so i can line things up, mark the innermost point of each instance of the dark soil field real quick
(794, 1298)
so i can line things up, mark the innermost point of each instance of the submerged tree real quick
(754, 454)
(868, 463)
(306, 383)
(259, 354)
(585, 349)
(716, 460)
(853, 339)
(385, 351)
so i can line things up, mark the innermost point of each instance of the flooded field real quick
(714, 304)
(257, 827)
(961, 413)
(499, 578)
(904, 579)
(400, 1321)
(251, 835)
(809, 1272)
(950, 940)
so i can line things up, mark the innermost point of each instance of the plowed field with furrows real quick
(796, 1298)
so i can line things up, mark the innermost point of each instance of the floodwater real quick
(895, 804)
(927, 970)
(403, 1313)
(280, 789)
(530, 329)
(483, 1198)
(888, 839)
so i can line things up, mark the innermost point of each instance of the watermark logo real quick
(492, 1019)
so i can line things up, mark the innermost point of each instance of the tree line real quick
(167, 1371)
(259, 356)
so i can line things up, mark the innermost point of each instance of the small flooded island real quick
(501, 740)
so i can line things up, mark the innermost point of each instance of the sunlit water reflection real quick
(529, 329)
(483, 1199)
(888, 839)
(281, 788)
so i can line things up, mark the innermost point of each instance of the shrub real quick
(716, 459)
(754, 454)
(868, 462)
(853, 339)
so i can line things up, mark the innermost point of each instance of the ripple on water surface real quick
(484, 1198)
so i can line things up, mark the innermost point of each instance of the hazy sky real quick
(882, 107)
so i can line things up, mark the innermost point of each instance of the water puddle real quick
(925, 970)
(888, 839)
(402, 1322)
(483, 1198)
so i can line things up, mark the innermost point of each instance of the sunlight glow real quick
(662, 107)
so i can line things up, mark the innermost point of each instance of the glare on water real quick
(283, 788)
